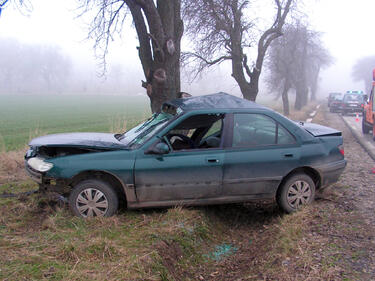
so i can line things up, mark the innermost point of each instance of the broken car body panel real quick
(89, 140)
(221, 149)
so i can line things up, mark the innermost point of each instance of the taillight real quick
(341, 149)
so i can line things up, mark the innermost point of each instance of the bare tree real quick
(159, 29)
(221, 32)
(24, 6)
(362, 71)
(280, 63)
(294, 62)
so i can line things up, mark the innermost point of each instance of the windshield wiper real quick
(119, 136)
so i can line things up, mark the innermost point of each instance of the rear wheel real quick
(93, 198)
(297, 191)
(365, 127)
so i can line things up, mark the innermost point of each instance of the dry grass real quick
(12, 167)
(40, 239)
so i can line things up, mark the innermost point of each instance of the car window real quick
(337, 97)
(284, 137)
(253, 129)
(215, 129)
(258, 129)
(353, 98)
(202, 131)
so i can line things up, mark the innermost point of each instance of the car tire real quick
(365, 127)
(295, 192)
(91, 198)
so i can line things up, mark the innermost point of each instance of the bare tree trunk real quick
(314, 86)
(301, 96)
(285, 98)
(160, 47)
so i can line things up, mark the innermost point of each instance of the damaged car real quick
(202, 150)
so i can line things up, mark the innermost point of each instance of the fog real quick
(52, 37)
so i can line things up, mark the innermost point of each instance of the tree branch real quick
(207, 62)
(144, 49)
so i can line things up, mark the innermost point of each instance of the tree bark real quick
(285, 98)
(160, 47)
(314, 86)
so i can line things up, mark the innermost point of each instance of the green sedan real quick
(211, 149)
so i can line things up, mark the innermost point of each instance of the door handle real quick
(289, 155)
(213, 160)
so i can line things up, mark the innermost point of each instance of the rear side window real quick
(258, 129)
(284, 137)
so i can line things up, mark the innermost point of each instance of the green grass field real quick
(25, 117)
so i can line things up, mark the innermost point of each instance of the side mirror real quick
(159, 149)
(365, 98)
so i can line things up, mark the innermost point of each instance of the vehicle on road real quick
(352, 102)
(331, 97)
(336, 103)
(201, 150)
(368, 120)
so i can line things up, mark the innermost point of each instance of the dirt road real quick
(355, 124)
(334, 239)
(360, 184)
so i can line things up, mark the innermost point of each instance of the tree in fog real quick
(362, 71)
(223, 31)
(55, 68)
(159, 29)
(32, 68)
(294, 62)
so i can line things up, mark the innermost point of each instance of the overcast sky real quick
(347, 28)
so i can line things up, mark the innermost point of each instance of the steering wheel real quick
(183, 138)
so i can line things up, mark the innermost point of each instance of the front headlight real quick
(39, 164)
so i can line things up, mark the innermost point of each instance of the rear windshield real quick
(353, 98)
(333, 95)
(337, 97)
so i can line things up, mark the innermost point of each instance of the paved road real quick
(355, 125)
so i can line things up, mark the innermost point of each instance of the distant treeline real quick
(34, 68)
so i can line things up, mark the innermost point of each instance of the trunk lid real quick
(319, 130)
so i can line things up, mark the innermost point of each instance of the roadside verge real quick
(364, 143)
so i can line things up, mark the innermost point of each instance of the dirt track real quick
(334, 239)
(361, 182)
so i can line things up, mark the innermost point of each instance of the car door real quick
(187, 174)
(260, 153)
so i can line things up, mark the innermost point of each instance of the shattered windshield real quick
(139, 134)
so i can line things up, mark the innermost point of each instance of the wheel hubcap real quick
(92, 203)
(299, 194)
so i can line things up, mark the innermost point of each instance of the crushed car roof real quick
(214, 101)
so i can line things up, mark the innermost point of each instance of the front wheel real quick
(93, 198)
(297, 191)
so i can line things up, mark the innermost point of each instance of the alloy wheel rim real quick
(299, 193)
(91, 202)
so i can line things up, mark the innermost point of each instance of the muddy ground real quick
(334, 239)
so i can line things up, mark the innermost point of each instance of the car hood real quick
(318, 130)
(89, 140)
